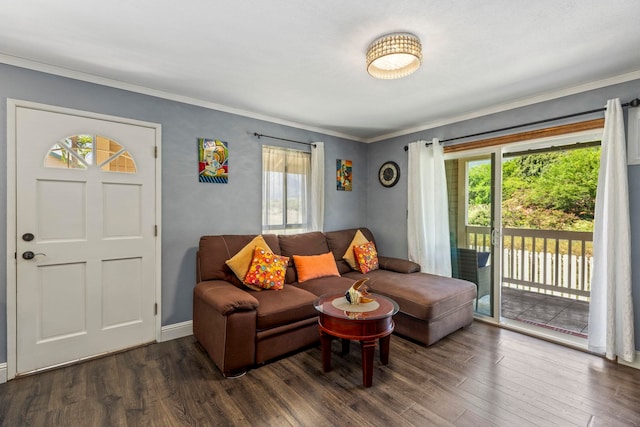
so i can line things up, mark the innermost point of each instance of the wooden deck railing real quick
(548, 261)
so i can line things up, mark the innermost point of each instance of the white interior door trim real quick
(12, 105)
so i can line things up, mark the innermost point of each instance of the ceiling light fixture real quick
(394, 56)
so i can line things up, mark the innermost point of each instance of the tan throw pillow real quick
(348, 256)
(241, 261)
(315, 266)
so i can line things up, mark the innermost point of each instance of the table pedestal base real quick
(368, 349)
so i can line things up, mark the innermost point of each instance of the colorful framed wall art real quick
(343, 175)
(213, 161)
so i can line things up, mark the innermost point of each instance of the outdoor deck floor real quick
(560, 314)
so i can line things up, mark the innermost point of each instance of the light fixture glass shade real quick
(394, 56)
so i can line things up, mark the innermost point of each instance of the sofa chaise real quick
(241, 328)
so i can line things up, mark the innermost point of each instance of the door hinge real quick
(155, 309)
(155, 152)
(155, 230)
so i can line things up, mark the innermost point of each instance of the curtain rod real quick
(426, 144)
(633, 103)
(553, 148)
(260, 135)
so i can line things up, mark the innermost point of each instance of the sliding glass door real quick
(548, 200)
(521, 220)
(471, 184)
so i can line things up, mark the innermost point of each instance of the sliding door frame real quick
(511, 144)
(495, 154)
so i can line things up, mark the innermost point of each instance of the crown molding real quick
(547, 96)
(104, 81)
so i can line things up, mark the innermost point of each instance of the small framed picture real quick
(344, 177)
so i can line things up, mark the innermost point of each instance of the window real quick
(286, 178)
(82, 151)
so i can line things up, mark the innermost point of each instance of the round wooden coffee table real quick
(366, 323)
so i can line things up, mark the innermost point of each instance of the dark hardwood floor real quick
(479, 376)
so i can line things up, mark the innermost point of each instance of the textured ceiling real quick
(303, 62)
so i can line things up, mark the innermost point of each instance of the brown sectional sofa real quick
(241, 328)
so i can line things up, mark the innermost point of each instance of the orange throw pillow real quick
(315, 266)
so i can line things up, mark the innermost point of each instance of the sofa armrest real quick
(224, 297)
(224, 323)
(398, 265)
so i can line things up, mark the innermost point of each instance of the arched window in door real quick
(84, 151)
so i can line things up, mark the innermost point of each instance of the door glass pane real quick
(112, 157)
(105, 149)
(548, 200)
(60, 156)
(123, 162)
(470, 187)
(82, 146)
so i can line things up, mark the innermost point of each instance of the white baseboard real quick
(177, 330)
(3, 373)
(634, 364)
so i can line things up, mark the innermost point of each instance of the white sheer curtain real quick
(317, 187)
(285, 190)
(611, 306)
(428, 216)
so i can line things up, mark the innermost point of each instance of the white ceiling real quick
(303, 62)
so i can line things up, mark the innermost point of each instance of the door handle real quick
(30, 255)
(495, 237)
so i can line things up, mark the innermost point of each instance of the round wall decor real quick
(389, 174)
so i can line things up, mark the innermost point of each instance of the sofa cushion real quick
(421, 295)
(312, 243)
(398, 265)
(326, 285)
(267, 270)
(315, 266)
(289, 305)
(214, 251)
(339, 242)
(240, 262)
(366, 256)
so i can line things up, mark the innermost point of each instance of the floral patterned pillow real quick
(266, 271)
(366, 257)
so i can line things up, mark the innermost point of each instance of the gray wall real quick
(189, 208)
(387, 206)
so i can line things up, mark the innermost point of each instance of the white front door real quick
(85, 237)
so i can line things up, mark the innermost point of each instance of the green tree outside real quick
(551, 191)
